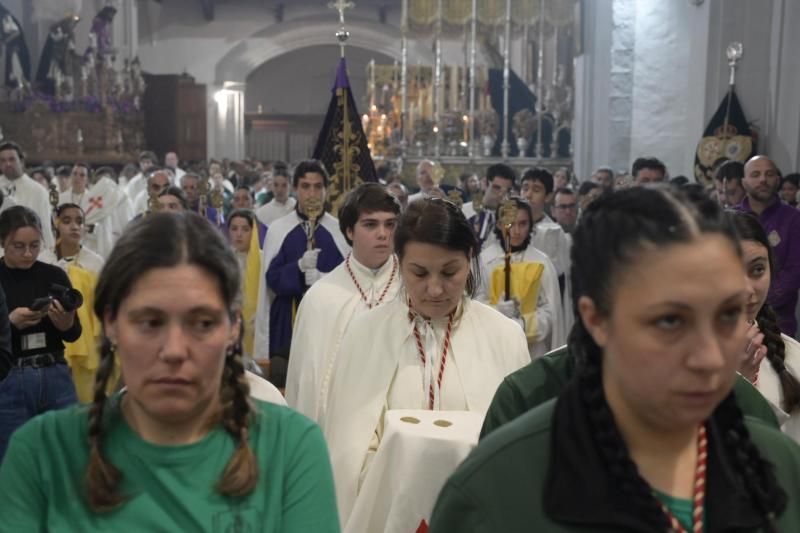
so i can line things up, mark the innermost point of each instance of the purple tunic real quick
(782, 225)
(288, 283)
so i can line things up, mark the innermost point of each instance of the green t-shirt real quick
(680, 508)
(169, 488)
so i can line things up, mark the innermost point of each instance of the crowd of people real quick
(628, 342)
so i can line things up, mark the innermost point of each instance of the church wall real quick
(664, 122)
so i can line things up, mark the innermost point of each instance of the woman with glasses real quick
(39, 379)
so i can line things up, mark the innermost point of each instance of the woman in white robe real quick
(536, 299)
(772, 362)
(432, 347)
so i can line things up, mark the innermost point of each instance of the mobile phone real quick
(41, 303)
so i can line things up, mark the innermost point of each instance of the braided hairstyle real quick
(143, 247)
(609, 235)
(750, 229)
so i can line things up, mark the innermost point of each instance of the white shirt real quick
(69, 197)
(550, 238)
(137, 184)
(421, 195)
(263, 390)
(327, 309)
(769, 385)
(26, 191)
(273, 210)
(85, 259)
(379, 367)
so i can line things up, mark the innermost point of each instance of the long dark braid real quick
(750, 229)
(241, 472)
(776, 355)
(102, 478)
(611, 445)
(610, 233)
(757, 473)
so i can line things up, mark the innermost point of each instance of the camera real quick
(70, 299)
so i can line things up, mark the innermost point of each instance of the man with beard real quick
(16, 184)
(782, 225)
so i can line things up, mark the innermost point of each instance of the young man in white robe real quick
(290, 265)
(535, 302)
(366, 279)
(500, 179)
(23, 189)
(138, 183)
(281, 204)
(550, 238)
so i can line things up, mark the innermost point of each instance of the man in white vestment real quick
(79, 187)
(281, 204)
(156, 181)
(108, 211)
(425, 181)
(23, 189)
(550, 238)
(368, 278)
(171, 162)
(138, 183)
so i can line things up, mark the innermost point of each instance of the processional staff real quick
(508, 214)
(313, 210)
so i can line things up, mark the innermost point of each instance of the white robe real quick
(378, 368)
(322, 317)
(110, 210)
(769, 385)
(137, 184)
(273, 210)
(85, 259)
(263, 390)
(548, 306)
(550, 238)
(26, 191)
(272, 245)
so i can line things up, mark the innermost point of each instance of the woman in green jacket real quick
(183, 448)
(647, 436)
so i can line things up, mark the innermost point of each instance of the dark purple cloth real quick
(262, 234)
(288, 283)
(782, 225)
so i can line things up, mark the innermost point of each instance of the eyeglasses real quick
(20, 247)
(564, 207)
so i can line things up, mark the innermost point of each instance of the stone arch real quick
(272, 42)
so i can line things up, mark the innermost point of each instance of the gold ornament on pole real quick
(507, 215)
(313, 210)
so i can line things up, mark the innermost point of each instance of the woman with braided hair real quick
(772, 360)
(182, 448)
(647, 437)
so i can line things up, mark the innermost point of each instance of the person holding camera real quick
(41, 306)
